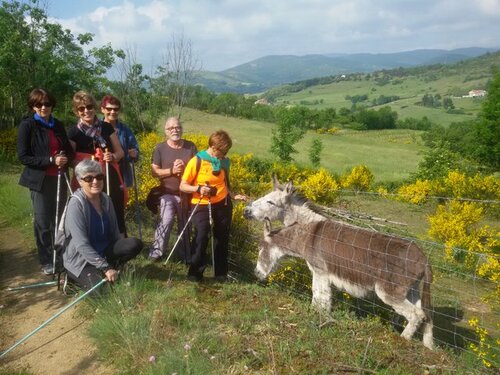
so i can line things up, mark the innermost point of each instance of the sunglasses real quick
(88, 179)
(88, 107)
(44, 104)
(176, 128)
(109, 109)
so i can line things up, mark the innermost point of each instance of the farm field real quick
(410, 85)
(410, 91)
(391, 155)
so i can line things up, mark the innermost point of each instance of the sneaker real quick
(48, 269)
(155, 255)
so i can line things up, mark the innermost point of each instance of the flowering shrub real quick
(294, 274)
(456, 185)
(145, 181)
(289, 171)
(360, 179)
(320, 187)
(416, 193)
(242, 179)
(456, 224)
(485, 347)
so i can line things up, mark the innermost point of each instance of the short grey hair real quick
(87, 166)
(173, 119)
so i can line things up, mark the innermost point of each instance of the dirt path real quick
(62, 347)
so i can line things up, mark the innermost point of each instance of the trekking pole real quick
(29, 286)
(211, 221)
(52, 318)
(137, 208)
(56, 221)
(107, 175)
(182, 232)
(68, 183)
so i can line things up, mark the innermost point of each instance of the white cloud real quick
(226, 32)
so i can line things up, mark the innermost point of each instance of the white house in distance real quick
(475, 94)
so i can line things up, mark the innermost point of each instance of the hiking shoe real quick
(221, 279)
(155, 255)
(48, 269)
(195, 278)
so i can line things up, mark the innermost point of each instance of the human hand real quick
(108, 156)
(60, 160)
(178, 167)
(111, 275)
(240, 197)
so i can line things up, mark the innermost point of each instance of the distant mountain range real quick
(269, 71)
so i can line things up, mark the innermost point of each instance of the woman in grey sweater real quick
(95, 249)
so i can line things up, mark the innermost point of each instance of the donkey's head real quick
(272, 205)
(268, 253)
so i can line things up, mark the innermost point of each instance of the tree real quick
(448, 103)
(486, 132)
(37, 53)
(290, 128)
(315, 152)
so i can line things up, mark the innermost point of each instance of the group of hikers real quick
(101, 153)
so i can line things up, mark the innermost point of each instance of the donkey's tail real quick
(426, 292)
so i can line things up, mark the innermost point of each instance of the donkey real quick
(354, 259)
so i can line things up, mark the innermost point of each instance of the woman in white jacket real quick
(95, 249)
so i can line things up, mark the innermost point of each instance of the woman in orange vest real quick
(209, 185)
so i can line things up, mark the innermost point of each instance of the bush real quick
(360, 179)
(320, 187)
(8, 141)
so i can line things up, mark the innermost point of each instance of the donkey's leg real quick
(414, 297)
(321, 290)
(413, 314)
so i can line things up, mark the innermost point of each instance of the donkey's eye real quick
(271, 203)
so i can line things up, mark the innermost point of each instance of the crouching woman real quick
(95, 249)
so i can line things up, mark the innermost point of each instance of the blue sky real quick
(225, 33)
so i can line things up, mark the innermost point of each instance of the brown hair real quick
(110, 99)
(82, 98)
(221, 141)
(40, 95)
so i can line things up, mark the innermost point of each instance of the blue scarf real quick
(217, 164)
(47, 124)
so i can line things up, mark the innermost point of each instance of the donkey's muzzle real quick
(247, 213)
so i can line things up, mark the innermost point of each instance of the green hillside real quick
(409, 84)
(390, 154)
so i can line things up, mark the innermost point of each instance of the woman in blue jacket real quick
(44, 150)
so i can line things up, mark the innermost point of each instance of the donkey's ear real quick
(267, 226)
(289, 187)
(276, 183)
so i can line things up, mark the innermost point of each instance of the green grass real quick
(391, 155)
(238, 328)
(15, 201)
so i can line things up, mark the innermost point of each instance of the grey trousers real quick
(170, 209)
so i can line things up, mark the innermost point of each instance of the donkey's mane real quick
(300, 200)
